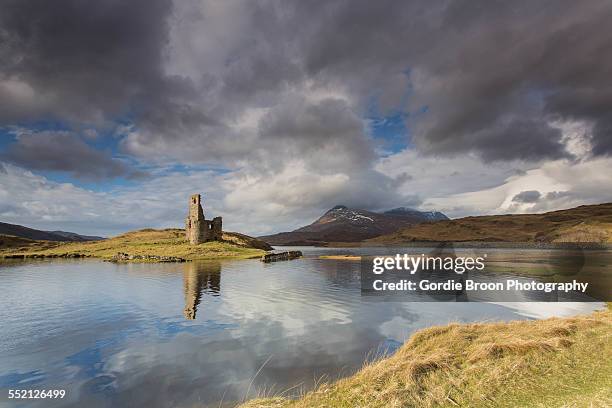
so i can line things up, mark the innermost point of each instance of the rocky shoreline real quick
(119, 257)
(123, 257)
(42, 256)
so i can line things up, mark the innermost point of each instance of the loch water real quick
(205, 333)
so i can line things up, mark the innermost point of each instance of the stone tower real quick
(197, 228)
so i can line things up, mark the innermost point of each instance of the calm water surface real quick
(199, 333)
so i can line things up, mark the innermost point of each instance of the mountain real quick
(343, 224)
(30, 233)
(587, 223)
(419, 216)
(72, 236)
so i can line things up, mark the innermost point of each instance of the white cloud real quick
(37, 202)
(431, 176)
(259, 202)
(466, 185)
(250, 202)
(561, 183)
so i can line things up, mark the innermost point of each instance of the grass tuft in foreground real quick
(559, 362)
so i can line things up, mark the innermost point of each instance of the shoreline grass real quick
(557, 362)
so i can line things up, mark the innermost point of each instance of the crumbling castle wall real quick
(197, 228)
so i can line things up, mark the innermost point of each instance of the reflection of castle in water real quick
(199, 278)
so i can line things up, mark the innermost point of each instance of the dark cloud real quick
(554, 195)
(412, 201)
(66, 152)
(404, 177)
(530, 196)
(474, 76)
(85, 61)
(8, 209)
(327, 134)
(526, 139)
(491, 74)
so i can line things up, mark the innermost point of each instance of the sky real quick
(113, 112)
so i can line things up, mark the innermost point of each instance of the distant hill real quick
(587, 223)
(38, 235)
(418, 216)
(343, 224)
(74, 237)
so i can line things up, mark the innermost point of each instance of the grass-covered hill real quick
(167, 242)
(559, 362)
(34, 234)
(587, 223)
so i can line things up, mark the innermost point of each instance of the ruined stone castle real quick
(197, 228)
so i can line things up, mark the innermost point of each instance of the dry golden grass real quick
(9, 242)
(168, 242)
(548, 363)
(588, 223)
(341, 257)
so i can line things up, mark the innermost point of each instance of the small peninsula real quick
(151, 242)
(201, 239)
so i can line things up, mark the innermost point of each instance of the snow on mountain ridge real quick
(343, 212)
(343, 224)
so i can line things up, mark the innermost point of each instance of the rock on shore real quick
(281, 256)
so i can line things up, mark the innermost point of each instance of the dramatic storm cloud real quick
(531, 196)
(81, 61)
(65, 151)
(282, 102)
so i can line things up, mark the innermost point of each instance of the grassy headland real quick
(167, 242)
(584, 224)
(558, 362)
